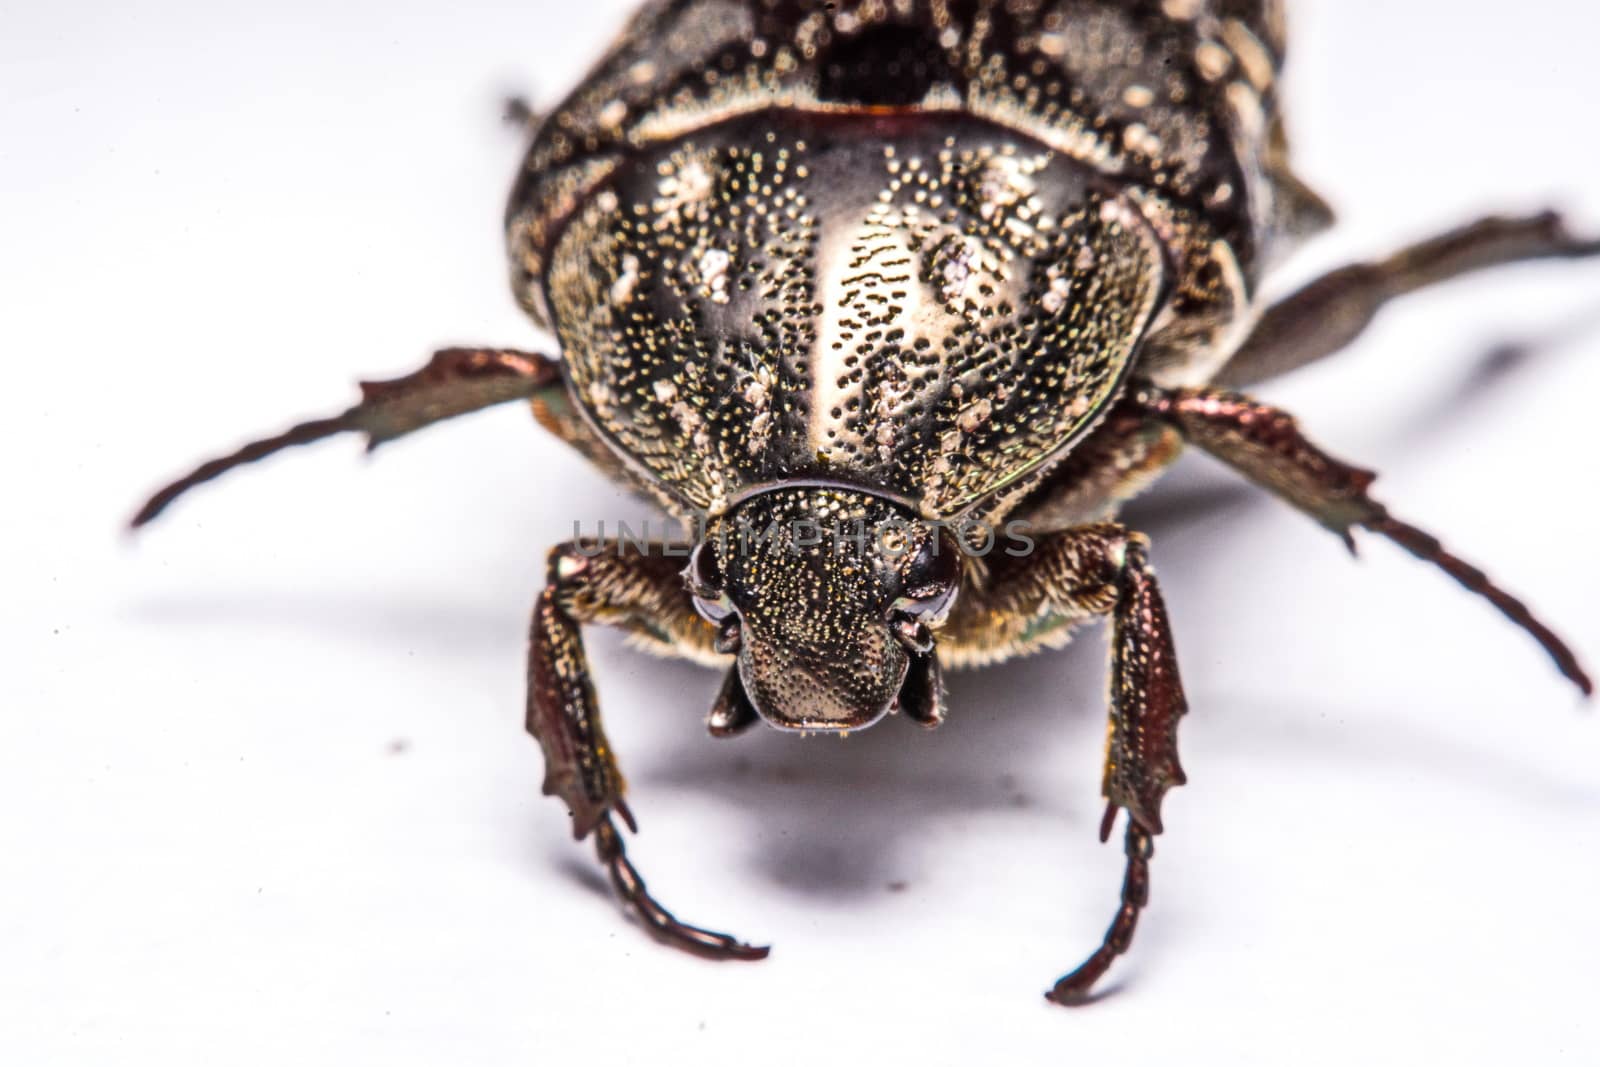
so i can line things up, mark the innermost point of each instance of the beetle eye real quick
(720, 613)
(703, 574)
(930, 578)
(714, 610)
(934, 567)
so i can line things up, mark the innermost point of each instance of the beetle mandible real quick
(917, 266)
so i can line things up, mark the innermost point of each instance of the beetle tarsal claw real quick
(1074, 988)
(661, 923)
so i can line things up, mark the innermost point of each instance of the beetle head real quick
(830, 598)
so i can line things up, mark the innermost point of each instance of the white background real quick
(264, 791)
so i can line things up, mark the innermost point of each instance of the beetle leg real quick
(604, 583)
(1073, 989)
(1333, 310)
(1266, 446)
(456, 381)
(1102, 569)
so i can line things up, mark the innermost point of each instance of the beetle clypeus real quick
(918, 267)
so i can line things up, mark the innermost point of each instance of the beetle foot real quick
(1073, 989)
(660, 923)
(1076, 990)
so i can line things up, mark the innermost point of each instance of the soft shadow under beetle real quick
(919, 267)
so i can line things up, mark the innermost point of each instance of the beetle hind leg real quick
(1332, 311)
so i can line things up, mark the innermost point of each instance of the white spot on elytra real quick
(680, 190)
(756, 393)
(692, 424)
(622, 288)
(612, 114)
(974, 415)
(958, 271)
(713, 268)
(1212, 59)
(760, 432)
(1003, 184)
(1138, 138)
(1055, 297)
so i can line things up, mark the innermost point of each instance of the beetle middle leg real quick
(1334, 310)
(1265, 445)
(1100, 569)
(456, 381)
(643, 592)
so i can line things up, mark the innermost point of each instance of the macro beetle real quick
(923, 267)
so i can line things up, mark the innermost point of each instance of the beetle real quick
(920, 268)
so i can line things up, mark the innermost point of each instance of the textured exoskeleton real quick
(920, 268)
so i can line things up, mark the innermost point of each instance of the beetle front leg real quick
(1142, 750)
(643, 592)
(1334, 310)
(1265, 445)
(1104, 570)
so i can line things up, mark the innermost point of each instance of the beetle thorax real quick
(926, 309)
